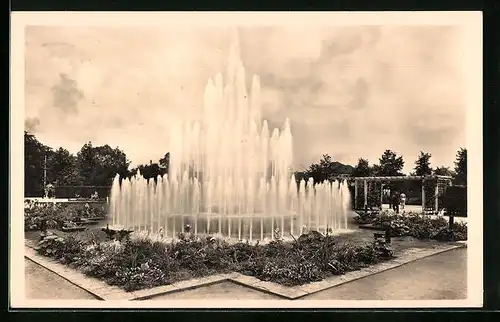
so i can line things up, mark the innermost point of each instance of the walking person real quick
(402, 198)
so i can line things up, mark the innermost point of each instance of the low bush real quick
(86, 212)
(52, 215)
(141, 262)
(366, 217)
(420, 226)
(38, 215)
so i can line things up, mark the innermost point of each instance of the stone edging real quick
(103, 291)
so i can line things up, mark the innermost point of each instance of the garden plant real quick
(415, 225)
(135, 261)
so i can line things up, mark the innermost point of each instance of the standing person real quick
(395, 202)
(402, 199)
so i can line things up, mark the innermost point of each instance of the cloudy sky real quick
(350, 91)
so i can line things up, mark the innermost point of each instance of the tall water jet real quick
(230, 174)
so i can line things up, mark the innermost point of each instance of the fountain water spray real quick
(230, 174)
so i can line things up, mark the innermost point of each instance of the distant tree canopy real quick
(327, 169)
(461, 167)
(91, 166)
(444, 171)
(165, 161)
(151, 170)
(362, 169)
(423, 165)
(98, 165)
(389, 165)
(62, 169)
(34, 154)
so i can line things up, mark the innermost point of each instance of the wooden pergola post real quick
(423, 195)
(365, 190)
(389, 179)
(436, 195)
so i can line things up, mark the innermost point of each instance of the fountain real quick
(229, 174)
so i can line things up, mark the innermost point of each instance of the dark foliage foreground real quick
(415, 225)
(134, 263)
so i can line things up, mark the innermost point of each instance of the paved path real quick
(442, 276)
(221, 291)
(42, 284)
(438, 277)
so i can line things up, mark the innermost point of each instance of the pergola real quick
(445, 180)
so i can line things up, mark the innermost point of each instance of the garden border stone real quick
(103, 291)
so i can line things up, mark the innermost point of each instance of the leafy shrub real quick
(383, 217)
(424, 227)
(286, 273)
(52, 215)
(42, 215)
(420, 226)
(119, 235)
(87, 212)
(51, 245)
(459, 232)
(71, 250)
(310, 237)
(365, 217)
(134, 278)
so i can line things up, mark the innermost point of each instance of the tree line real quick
(389, 165)
(91, 166)
(98, 165)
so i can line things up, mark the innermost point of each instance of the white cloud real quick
(351, 91)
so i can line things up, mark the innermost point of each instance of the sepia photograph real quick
(244, 159)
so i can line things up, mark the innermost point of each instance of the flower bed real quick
(54, 215)
(138, 261)
(417, 225)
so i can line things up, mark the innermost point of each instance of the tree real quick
(390, 164)
(165, 161)
(34, 159)
(62, 168)
(299, 175)
(86, 164)
(327, 169)
(362, 169)
(109, 163)
(461, 167)
(423, 165)
(151, 171)
(443, 171)
(97, 166)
